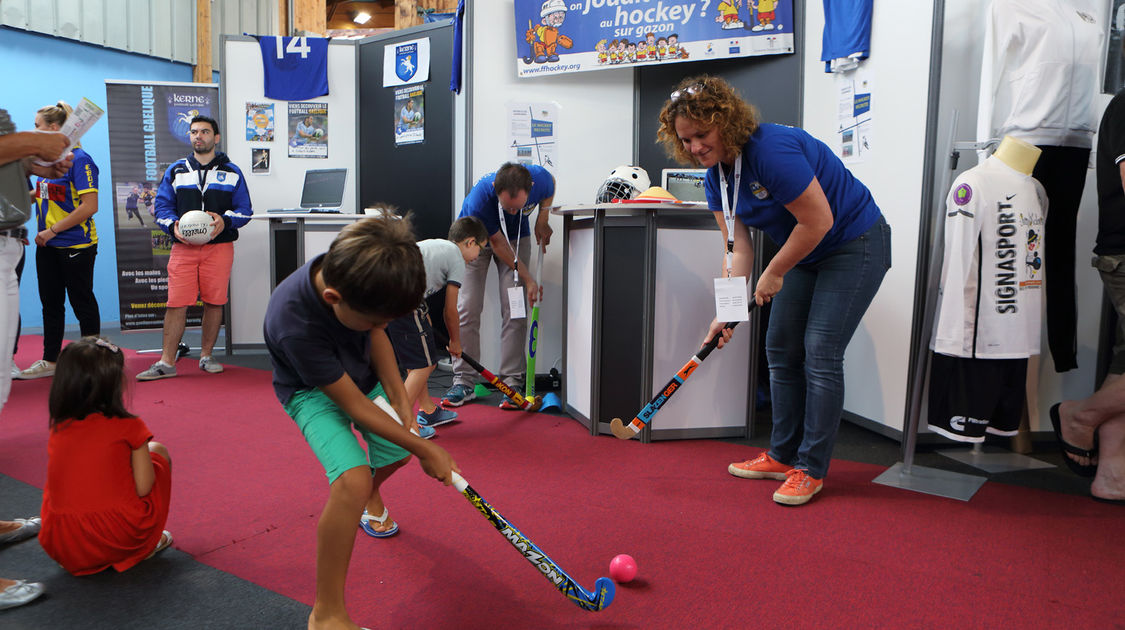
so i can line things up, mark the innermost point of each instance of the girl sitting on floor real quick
(108, 485)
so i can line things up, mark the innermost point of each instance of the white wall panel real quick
(69, 23)
(116, 30)
(139, 26)
(243, 82)
(161, 15)
(876, 363)
(591, 143)
(92, 22)
(160, 28)
(41, 16)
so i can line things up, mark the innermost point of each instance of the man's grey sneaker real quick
(210, 365)
(158, 371)
(39, 369)
(458, 395)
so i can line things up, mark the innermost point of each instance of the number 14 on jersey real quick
(296, 46)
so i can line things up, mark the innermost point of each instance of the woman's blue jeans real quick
(812, 319)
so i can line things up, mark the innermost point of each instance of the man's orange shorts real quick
(199, 271)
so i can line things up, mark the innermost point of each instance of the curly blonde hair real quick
(708, 102)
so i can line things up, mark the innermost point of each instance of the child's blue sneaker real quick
(425, 432)
(437, 418)
(458, 395)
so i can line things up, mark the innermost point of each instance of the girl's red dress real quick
(92, 516)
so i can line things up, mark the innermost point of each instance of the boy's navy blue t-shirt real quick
(308, 346)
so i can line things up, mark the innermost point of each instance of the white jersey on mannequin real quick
(990, 297)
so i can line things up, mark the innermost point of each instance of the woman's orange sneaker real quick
(761, 467)
(798, 488)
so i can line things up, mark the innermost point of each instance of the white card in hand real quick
(730, 299)
(515, 303)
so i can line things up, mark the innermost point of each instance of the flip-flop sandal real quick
(365, 524)
(1082, 470)
(1105, 500)
(165, 542)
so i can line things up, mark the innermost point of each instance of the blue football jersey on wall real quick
(296, 68)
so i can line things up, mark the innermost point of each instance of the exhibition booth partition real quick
(356, 128)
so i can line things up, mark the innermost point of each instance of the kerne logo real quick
(189, 99)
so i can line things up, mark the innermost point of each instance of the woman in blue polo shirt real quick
(67, 244)
(834, 251)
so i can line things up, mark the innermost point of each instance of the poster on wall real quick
(556, 36)
(259, 122)
(409, 113)
(406, 62)
(148, 131)
(308, 130)
(259, 161)
(533, 134)
(853, 114)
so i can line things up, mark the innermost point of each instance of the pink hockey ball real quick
(622, 568)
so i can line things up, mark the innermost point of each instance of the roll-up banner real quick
(148, 131)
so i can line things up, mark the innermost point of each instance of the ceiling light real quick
(362, 17)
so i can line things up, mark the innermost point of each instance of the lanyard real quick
(516, 247)
(728, 210)
(201, 178)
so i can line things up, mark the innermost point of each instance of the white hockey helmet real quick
(624, 182)
(552, 6)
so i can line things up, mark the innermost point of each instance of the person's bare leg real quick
(417, 382)
(335, 538)
(1110, 480)
(212, 320)
(375, 505)
(1080, 419)
(175, 320)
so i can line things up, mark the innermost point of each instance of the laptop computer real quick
(685, 184)
(323, 191)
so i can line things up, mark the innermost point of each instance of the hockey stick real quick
(520, 401)
(644, 416)
(533, 335)
(603, 588)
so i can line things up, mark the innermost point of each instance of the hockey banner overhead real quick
(555, 36)
(148, 130)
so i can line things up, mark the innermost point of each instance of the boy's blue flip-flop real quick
(365, 525)
(1082, 470)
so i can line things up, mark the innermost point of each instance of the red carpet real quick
(714, 551)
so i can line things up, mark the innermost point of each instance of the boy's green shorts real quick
(328, 430)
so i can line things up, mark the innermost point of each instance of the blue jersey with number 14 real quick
(296, 69)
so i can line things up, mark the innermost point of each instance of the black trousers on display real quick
(66, 273)
(1062, 171)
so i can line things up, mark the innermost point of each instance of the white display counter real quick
(638, 295)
